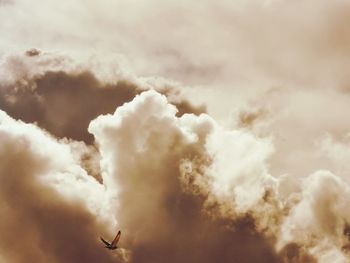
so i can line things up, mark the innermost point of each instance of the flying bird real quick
(112, 245)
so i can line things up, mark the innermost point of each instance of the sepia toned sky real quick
(206, 131)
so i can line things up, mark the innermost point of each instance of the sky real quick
(206, 131)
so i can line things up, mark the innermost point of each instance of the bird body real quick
(113, 244)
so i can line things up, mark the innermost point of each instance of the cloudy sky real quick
(206, 131)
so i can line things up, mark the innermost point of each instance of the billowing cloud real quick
(51, 209)
(143, 145)
(88, 144)
(163, 176)
(320, 219)
(189, 173)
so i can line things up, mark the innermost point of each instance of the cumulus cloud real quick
(267, 171)
(189, 173)
(174, 185)
(51, 209)
(142, 146)
(320, 219)
(44, 183)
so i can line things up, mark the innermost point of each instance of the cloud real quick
(271, 181)
(320, 219)
(297, 121)
(243, 48)
(51, 209)
(336, 152)
(175, 185)
(200, 180)
(43, 182)
(143, 145)
(63, 97)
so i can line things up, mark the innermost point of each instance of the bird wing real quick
(116, 239)
(105, 242)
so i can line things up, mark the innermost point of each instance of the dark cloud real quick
(183, 105)
(197, 238)
(64, 103)
(33, 52)
(175, 226)
(179, 230)
(293, 253)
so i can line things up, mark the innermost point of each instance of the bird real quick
(113, 245)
